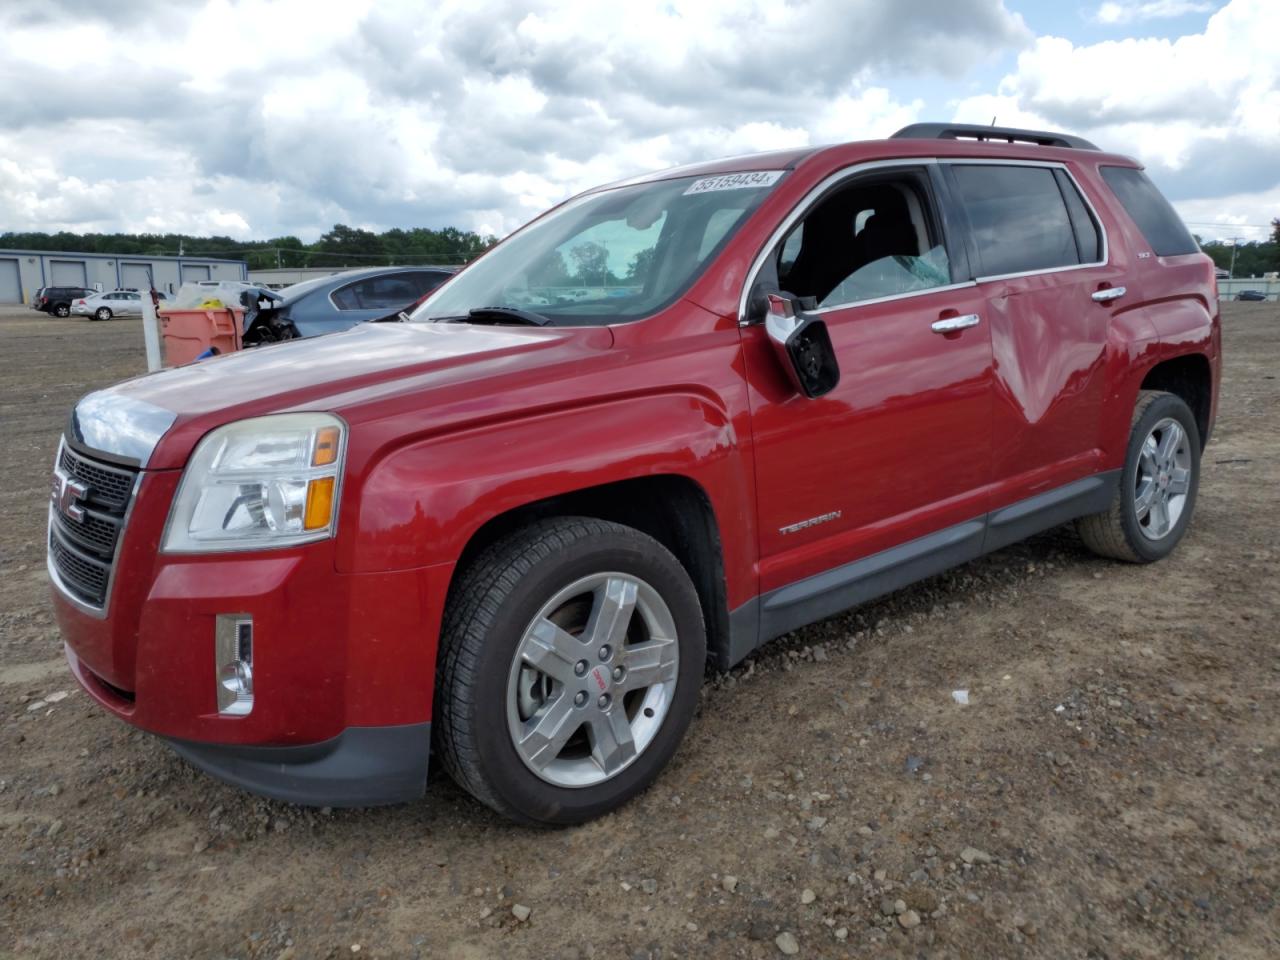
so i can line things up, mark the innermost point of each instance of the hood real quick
(334, 373)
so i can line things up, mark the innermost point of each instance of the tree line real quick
(1251, 259)
(343, 246)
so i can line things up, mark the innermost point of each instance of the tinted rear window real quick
(1017, 217)
(1153, 214)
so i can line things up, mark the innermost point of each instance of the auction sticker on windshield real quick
(735, 181)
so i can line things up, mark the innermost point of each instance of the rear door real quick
(1040, 256)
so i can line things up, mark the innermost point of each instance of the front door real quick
(901, 448)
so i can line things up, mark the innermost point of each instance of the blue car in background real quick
(328, 304)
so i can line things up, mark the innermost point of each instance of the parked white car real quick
(115, 303)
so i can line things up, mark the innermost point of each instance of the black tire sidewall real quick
(519, 787)
(1162, 407)
(61, 310)
(98, 314)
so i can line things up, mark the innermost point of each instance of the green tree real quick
(591, 262)
(638, 268)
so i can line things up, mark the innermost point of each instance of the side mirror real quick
(803, 346)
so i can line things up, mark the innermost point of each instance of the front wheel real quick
(1158, 485)
(569, 668)
(102, 313)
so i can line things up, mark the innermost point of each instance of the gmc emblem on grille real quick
(66, 496)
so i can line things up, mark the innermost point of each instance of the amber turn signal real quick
(326, 451)
(319, 504)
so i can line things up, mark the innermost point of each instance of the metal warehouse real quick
(23, 272)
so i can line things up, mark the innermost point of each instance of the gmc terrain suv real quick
(663, 423)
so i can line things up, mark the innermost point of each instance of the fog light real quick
(233, 663)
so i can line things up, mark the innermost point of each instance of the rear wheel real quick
(569, 668)
(62, 310)
(102, 313)
(1158, 484)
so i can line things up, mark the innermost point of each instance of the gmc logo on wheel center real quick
(66, 496)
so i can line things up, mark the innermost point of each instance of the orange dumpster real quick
(189, 334)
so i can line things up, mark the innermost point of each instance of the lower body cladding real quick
(272, 672)
(360, 767)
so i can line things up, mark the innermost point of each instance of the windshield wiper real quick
(507, 315)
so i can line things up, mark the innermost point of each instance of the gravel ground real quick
(1108, 790)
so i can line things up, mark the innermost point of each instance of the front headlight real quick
(261, 483)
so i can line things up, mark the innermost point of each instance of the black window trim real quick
(942, 211)
(1104, 243)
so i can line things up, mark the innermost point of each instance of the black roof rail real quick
(972, 131)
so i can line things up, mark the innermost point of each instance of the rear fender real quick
(1141, 339)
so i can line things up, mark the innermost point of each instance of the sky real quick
(264, 118)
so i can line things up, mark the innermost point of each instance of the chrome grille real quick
(82, 551)
(109, 485)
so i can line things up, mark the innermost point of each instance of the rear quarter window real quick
(1154, 215)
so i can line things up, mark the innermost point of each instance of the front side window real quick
(608, 257)
(1017, 218)
(865, 241)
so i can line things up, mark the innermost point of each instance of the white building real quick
(23, 272)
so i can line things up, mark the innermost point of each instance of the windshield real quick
(608, 257)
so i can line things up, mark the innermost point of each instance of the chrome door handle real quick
(952, 324)
(1110, 293)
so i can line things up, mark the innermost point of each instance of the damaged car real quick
(338, 302)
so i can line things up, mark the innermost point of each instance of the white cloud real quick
(1200, 110)
(1127, 11)
(257, 118)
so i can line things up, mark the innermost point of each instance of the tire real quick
(487, 695)
(62, 310)
(1125, 531)
(102, 313)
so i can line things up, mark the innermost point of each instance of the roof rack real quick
(972, 131)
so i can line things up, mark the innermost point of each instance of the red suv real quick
(665, 422)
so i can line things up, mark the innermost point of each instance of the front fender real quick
(421, 503)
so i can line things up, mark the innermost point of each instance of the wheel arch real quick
(1188, 376)
(672, 508)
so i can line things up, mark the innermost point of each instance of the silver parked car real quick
(330, 304)
(114, 303)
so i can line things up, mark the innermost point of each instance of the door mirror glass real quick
(802, 344)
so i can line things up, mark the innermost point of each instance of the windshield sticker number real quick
(735, 181)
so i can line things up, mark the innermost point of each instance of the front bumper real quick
(360, 767)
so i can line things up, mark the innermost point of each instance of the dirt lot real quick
(1108, 792)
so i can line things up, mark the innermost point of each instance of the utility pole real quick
(1231, 271)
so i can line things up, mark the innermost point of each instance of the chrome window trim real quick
(814, 194)
(891, 297)
(98, 613)
(1105, 256)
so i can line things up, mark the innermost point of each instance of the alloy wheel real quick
(1163, 479)
(592, 679)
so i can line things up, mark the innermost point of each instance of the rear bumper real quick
(360, 767)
